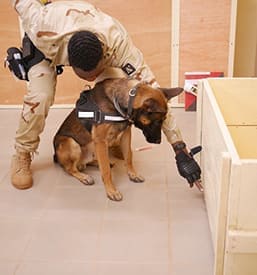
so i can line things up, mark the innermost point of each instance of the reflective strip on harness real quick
(85, 114)
(114, 118)
(82, 114)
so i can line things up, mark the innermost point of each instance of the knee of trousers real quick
(46, 100)
(38, 104)
(41, 87)
(27, 136)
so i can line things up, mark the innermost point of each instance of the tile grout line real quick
(39, 219)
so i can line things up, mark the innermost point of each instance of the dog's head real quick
(150, 109)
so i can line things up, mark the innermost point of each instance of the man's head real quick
(85, 55)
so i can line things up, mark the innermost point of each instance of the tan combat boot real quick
(21, 175)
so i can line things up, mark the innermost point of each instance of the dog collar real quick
(132, 94)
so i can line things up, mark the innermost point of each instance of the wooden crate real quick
(227, 130)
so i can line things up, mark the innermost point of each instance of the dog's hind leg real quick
(127, 153)
(68, 154)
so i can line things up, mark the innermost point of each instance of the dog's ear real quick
(171, 92)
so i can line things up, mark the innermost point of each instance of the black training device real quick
(19, 61)
(15, 63)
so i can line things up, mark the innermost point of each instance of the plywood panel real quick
(148, 22)
(245, 138)
(11, 91)
(236, 99)
(232, 182)
(222, 209)
(246, 39)
(239, 241)
(212, 163)
(204, 36)
(247, 217)
(241, 264)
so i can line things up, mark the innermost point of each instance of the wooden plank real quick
(244, 138)
(175, 32)
(232, 38)
(230, 186)
(246, 35)
(223, 202)
(199, 116)
(11, 90)
(247, 202)
(148, 23)
(204, 35)
(244, 242)
(240, 264)
(213, 142)
(221, 124)
(237, 99)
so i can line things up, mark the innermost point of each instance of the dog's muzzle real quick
(152, 132)
(152, 136)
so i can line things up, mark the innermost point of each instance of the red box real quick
(191, 82)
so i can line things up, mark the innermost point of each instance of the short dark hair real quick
(84, 50)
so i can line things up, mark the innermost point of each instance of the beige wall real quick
(203, 45)
(148, 22)
(204, 36)
(10, 90)
(245, 62)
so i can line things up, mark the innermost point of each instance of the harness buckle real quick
(99, 117)
(133, 91)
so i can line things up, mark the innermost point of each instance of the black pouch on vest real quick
(15, 63)
(19, 61)
(31, 54)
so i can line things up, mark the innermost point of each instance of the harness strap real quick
(99, 116)
(88, 110)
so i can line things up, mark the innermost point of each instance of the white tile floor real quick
(62, 227)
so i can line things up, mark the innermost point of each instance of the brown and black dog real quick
(121, 103)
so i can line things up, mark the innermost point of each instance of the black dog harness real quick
(87, 109)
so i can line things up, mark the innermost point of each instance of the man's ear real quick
(171, 92)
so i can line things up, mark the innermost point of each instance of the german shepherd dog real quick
(87, 134)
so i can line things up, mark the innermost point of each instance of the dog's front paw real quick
(135, 177)
(114, 195)
(87, 180)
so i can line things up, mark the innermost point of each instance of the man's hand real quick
(188, 168)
